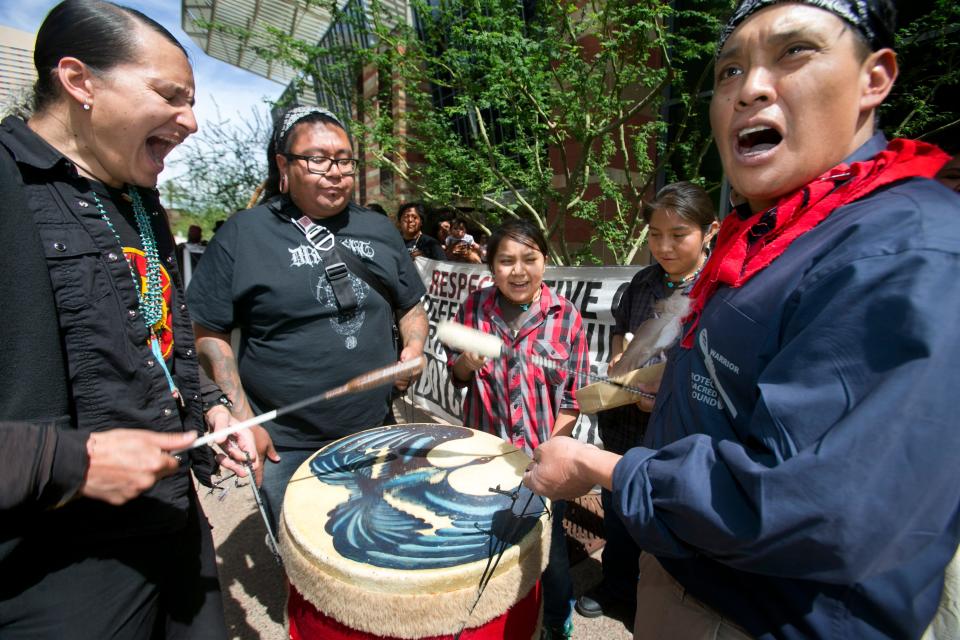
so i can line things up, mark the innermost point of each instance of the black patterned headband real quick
(295, 115)
(875, 20)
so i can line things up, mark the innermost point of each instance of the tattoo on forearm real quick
(413, 325)
(218, 361)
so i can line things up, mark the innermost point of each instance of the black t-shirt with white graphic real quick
(426, 245)
(261, 275)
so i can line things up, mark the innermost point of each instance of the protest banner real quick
(594, 291)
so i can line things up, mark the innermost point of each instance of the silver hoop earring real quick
(283, 183)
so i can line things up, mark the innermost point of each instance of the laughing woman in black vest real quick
(101, 533)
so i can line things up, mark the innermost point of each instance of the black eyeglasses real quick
(320, 165)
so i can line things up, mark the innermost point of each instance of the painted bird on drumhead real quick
(390, 476)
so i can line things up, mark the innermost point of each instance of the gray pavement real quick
(254, 589)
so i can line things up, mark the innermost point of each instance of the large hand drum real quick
(394, 532)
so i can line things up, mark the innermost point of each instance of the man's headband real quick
(874, 20)
(295, 115)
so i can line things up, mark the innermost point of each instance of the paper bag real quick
(600, 396)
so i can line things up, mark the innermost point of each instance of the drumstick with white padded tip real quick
(458, 336)
(363, 382)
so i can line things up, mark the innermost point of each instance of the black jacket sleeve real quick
(40, 466)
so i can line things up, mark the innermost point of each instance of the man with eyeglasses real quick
(315, 283)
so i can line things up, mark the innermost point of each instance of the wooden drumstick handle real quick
(369, 380)
(363, 382)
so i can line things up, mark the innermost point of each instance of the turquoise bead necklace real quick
(679, 285)
(150, 297)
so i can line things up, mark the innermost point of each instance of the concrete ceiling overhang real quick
(246, 23)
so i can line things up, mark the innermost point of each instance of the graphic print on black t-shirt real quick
(347, 325)
(258, 274)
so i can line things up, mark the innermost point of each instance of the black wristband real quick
(220, 401)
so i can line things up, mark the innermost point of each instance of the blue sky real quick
(234, 90)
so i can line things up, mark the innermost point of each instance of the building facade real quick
(17, 74)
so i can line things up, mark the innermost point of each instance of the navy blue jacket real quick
(800, 471)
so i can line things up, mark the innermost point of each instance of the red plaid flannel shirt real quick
(514, 399)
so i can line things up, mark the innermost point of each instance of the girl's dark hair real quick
(687, 200)
(439, 218)
(102, 35)
(522, 231)
(272, 186)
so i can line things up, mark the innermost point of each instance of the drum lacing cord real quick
(408, 408)
(271, 536)
(219, 485)
(504, 542)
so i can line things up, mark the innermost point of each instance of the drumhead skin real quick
(391, 530)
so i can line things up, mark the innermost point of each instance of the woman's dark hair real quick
(439, 218)
(687, 200)
(522, 231)
(272, 186)
(102, 35)
(418, 209)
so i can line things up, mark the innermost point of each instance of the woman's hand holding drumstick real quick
(467, 364)
(123, 463)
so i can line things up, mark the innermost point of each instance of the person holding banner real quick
(460, 245)
(524, 404)
(681, 223)
(799, 477)
(411, 217)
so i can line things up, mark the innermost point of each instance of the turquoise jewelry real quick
(523, 306)
(678, 285)
(151, 296)
(674, 285)
(151, 300)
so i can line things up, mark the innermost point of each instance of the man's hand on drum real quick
(564, 468)
(123, 463)
(237, 446)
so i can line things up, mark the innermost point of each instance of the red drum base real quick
(520, 622)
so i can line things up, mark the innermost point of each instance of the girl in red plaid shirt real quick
(521, 402)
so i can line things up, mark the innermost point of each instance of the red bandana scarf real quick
(733, 264)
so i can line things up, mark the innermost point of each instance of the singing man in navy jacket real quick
(800, 475)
